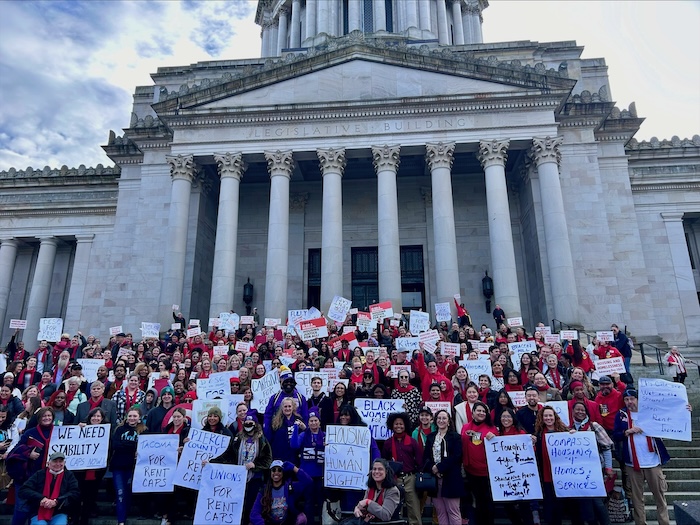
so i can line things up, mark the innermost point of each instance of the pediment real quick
(362, 81)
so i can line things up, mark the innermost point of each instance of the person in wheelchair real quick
(382, 497)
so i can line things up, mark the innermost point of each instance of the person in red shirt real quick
(428, 375)
(606, 351)
(579, 393)
(474, 435)
(610, 402)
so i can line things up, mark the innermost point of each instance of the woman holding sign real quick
(474, 433)
(548, 421)
(124, 442)
(89, 480)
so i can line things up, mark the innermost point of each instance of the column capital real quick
(280, 163)
(386, 157)
(53, 241)
(546, 150)
(297, 201)
(84, 237)
(11, 241)
(332, 160)
(672, 216)
(283, 11)
(230, 165)
(493, 152)
(440, 155)
(182, 167)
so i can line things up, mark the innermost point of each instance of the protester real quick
(51, 492)
(123, 446)
(547, 422)
(278, 502)
(89, 480)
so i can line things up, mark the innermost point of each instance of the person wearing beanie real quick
(288, 389)
(579, 396)
(310, 443)
(155, 417)
(609, 399)
(277, 503)
(214, 422)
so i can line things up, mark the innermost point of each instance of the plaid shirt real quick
(120, 399)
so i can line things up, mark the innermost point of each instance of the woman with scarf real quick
(124, 443)
(547, 422)
(89, 480)
(12, 403)
(474, 435)
(61, 415)
(250, 449)
(546, 392)
(73, 395)
(487, 395)
(29, 456)
(131, 396)
(29, 375)
(412, 399)
(555, 374)
(676, 363)
(51, 492)
(278, 501)
(167, 502)
(463, 411)
(381, 498)
(502, 402)
(331, 405)
(424, 429)
(311, 444)
(443, 459)
(460, 382)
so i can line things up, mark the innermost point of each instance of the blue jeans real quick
(22, 511)
(122, 487)
(58, 519)
(627, 361)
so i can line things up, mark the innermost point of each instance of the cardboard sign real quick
(451, 349)
(221, 350)
(50, 329)
(85, 448)
(375, 411)
(202, 446)
(303, 380)
(195, 322)
(568, 335)
(395, 369)
(217, 385)
(442, 312)
(176, 326)
(575, 465)
(90, 367)
(364, 321)
(434, 406)
(150, 330)
(347, 457)
(476, 368)
(220, 498)
(551, 339)
(605, 336)
(419, 322)
(518, 399)
(213, 322)
(662, 410)
(156, 462)
(338, 310)
(518, 349)
(381, 311)
(512, 468)
(263, 389)
(407, 344)
(612, 365)
(313, 329)
(115, 330)
(192, 332)
(514, 321)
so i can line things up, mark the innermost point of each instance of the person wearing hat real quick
(278, 502)
(155, 417)
(214, 422)
(51, 492)
(610, 401)
(288, 390)
(97, 400)
(251, 449)
(643, 457)
(310, 443)
(579, 396)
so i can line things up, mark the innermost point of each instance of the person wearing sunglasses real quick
(280, 499)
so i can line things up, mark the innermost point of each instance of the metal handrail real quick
(659, 357)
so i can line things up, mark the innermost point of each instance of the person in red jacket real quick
(610, 402)
(474, 435)
(579, 393)
(428, 374)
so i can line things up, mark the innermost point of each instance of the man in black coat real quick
(51, 492)
(97, 399)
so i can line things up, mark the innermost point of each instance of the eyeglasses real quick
(275, 469)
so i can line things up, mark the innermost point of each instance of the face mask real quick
(249, 427)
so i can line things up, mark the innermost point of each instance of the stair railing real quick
(659, 356)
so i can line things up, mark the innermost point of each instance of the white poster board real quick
(562, 410)
(576, 470)
(150, 330)
(662, 410)
(156, 462)
(347, 457)
(50, 329)
(419, 322)
(612, 365)
(375, 411)
(202, 446)
(442, 312)
(476, 368)
(338, 310)
(518, 349)
(90, 367)
(85, 448)
(263, 389)
(220, 498)
(513, 468)
(217, 385)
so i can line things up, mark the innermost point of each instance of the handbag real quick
(425, 481)
(396, 467)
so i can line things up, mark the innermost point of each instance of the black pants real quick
(480, 488)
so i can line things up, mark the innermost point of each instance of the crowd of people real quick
(147, 386)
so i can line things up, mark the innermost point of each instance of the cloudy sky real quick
(68, 68)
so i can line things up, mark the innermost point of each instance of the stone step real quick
(652, 511)
(688, 473)
(680, 463)
(684, 452)
(672, 496)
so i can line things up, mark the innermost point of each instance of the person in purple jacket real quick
(288, 390)
(279, 499)
(311, 444)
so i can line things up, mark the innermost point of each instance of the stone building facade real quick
(378, 150)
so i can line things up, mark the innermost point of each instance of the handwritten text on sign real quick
(347, 457)
(419, 322)
(576, 471)
(264, 388)
(375, 411)
(612, 365)
(85, 448)
(220, 499)
(202, 446)
(216, 385)
(156, 461)
(520, 348)
(339, 308)
(442, 312)
(50, 329)
(513, 469)
(663, 409)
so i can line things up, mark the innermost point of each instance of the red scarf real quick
(483, 394)
(95, 404)
(173, 430)
(23, 373)
(69, 397)
(546, 464)
(44, 513)
(130, 400)
(422, 437)
(555, 376)
(379, 500)
(633, 448)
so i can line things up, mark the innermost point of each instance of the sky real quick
(68, 69)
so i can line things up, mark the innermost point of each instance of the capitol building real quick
(378, 150)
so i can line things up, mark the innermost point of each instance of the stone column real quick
(76, 293)
(386, 163)
(379, 15)
(311, 13)
(458, 29)
(424, 15)
(332, 163)
(282, 30)
(411, 13)
(295, 34)
(41, 286)
(546, 154)
(687, 292)
(274, 31)
(443, 29)
(492, 155)
(8, 255)
(279, 165)
(354, 20)
(182, 171)
(323, 10)
(231, 168)
(439, 157)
